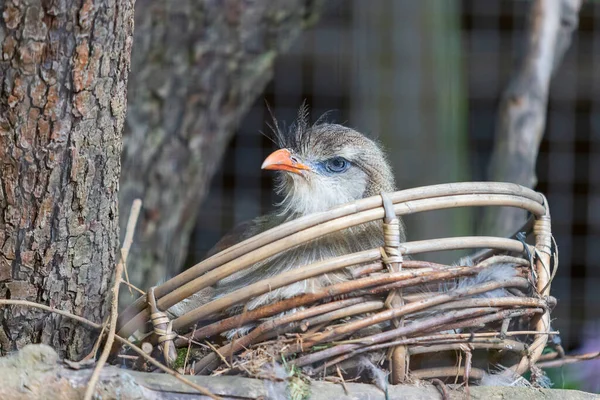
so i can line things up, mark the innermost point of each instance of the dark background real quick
(425, 77)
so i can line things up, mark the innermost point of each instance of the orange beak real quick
(282, 160)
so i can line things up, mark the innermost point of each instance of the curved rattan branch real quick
(306, 228)
(409, 301)
(405, 278)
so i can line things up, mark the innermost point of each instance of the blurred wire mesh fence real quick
(425, 78)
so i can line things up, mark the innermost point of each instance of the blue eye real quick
(337, 164)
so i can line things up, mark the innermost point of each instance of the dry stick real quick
(408, 248)
(94, 352)
(345, 329)
(467, 349)
(366, 269)
(447, 337)
(353, 350)
(187, 354)
(559, 362)
(245, 341)
(481, 321)
(375, 267)
(418, 306)
(438, 323)
(26, 303)
(266, 285)
(216, 351)
(342, 380)
(240, 256)
(135, 348)
(361, 308)
(131, 286)
(429, 373)
(232, 348)
(295, 226)
(350, 350)
(494, 302)
(442, 388)
(133, 216)
(322, 267)
(126, 281)
(326, 292)
(432, 277)
(343, 288)
(511, 345)
(168, 370)
(441, 275)
(368, 306)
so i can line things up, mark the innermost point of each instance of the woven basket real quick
(429, 326)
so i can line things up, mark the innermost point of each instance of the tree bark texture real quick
(63, 71)
(522, 112)
(197, 68)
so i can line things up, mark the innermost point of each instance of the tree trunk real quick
(63, 69)
(198, 67)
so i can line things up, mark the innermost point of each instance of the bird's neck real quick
(299, 205)
(302, 198)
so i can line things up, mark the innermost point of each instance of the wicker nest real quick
(420, 319)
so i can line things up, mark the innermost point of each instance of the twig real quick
(168, 370)
(442, 388)
(114, 312)
(429, 373)
(267, 326)
(126, 281)
(350, 350)
(342, 381)
(131, 286)
(387, 315)
(213, 348)
(26, 303)
(367, 306)
(559, 362)
(481, 321)
(410, 277)
(448, 337)
(266, 285)
(187, 354)
(128, 357)
(135, 348)
(94, 352)
(510, 345)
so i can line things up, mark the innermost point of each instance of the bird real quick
(318, 167)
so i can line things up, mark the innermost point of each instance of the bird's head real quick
(325, 165)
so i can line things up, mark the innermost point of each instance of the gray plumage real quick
(332, 165)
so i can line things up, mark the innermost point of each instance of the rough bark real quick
(63, 70)
(35, 373)
(197, 68)
(522, 112)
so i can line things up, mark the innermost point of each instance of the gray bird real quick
(318, 167)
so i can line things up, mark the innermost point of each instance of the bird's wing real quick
(239, 233)
(244, 231)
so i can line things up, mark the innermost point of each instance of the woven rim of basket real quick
(293, 233)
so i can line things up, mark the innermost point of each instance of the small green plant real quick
(180, 360)
(298, 384)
